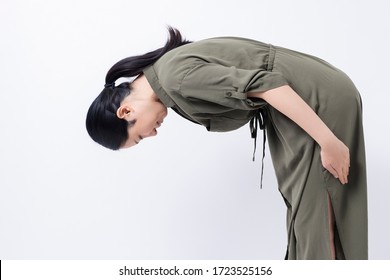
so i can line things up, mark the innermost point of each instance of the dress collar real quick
(152, 78)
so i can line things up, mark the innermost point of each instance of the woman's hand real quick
(335, 159)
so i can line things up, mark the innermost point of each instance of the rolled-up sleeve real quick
(228, 86)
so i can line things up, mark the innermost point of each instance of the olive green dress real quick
(207, 82)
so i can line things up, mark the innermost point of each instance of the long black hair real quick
(102, 123)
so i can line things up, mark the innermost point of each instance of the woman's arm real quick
(334, 154)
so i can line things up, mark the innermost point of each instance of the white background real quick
(186, 194)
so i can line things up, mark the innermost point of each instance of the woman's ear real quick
(124, 112)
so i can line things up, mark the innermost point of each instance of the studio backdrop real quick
(187, 193)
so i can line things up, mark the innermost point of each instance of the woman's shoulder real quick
(226, 41)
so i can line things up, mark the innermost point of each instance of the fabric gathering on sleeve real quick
(228, 86)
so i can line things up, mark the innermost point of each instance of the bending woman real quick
(311, 110)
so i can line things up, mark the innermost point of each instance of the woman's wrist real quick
(325, 138)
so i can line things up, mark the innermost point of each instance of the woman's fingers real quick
(335, 158)
(344, 174)
(340, 173)
(330, 169)
(346, 168)
(344, 179)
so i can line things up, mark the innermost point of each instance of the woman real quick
(311, 110)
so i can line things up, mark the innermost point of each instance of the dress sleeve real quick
(228, 86)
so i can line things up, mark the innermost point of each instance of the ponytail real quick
(102, 123)
(134, 65)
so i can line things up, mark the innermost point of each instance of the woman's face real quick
(148, 117)
(143, 107)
